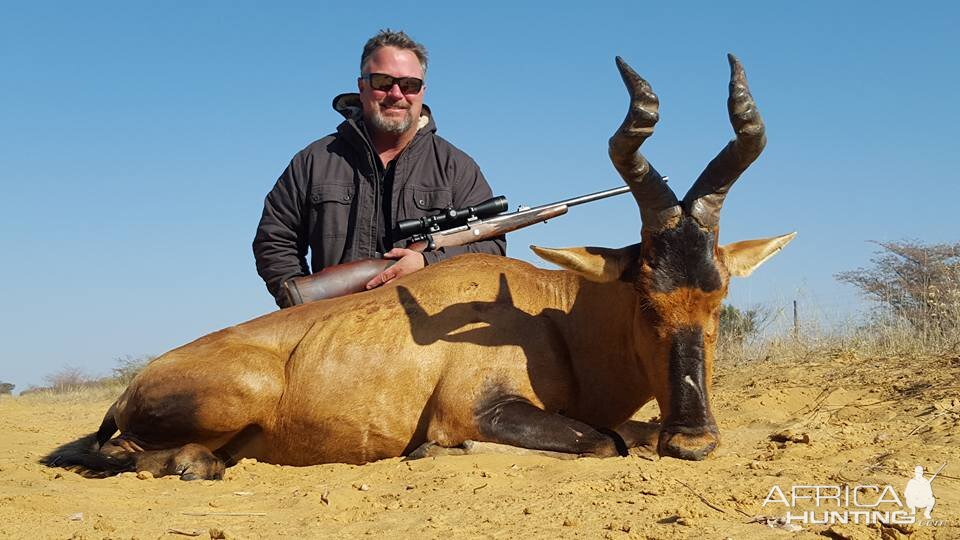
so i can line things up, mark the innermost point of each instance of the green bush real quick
(737, 325)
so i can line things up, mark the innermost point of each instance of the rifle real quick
(449, 228)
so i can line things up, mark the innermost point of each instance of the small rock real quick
(881, 437)
(364, 487)
(570, 522)
(787, 435)
(527, 511)
(395, 505)
(145, 475)
(103, 526)
(217, 534)
(76, 517)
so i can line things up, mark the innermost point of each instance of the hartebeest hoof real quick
(690, 446)
(189, 462)
(196, 462)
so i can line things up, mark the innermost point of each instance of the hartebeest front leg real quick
(517, 422)
(516, 426)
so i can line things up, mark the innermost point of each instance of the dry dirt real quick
(849, 421)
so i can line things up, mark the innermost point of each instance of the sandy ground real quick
(849, 421)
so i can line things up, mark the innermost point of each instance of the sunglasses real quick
(384, 83)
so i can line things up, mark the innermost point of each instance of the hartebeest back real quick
(475, 348)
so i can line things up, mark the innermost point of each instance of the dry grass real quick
(74, 385)
(881, 337)
(102, 391)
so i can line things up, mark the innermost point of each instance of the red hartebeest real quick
(475, 348)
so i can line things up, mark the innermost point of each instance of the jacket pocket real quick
(430, 200)
(331, 205)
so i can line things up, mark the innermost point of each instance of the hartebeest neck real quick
(595, 320)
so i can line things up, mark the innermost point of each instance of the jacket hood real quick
(351, 108)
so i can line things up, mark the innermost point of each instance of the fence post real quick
(796, 321)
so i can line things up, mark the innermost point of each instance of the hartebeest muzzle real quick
(689, 430)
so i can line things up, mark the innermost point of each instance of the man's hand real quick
(408, 262)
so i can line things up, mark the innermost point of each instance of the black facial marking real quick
(683, 257)
(689, 407)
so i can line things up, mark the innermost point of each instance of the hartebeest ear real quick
(742, 258)
(594, 263)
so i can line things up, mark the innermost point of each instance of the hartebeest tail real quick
(83, 456)
(475, 348)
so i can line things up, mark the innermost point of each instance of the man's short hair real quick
(400, 40)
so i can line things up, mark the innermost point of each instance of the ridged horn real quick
(705, 198)
(659, 208)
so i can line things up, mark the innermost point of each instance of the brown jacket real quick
(329, 198)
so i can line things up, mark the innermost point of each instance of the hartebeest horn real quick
(659, 208)
(705, 198)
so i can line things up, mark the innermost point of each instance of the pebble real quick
(145, 475)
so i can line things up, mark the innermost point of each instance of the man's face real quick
(391, 111)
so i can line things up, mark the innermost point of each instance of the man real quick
(342, 196)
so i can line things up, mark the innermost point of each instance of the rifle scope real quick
(451, 217)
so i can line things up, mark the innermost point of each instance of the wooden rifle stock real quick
(352, 277)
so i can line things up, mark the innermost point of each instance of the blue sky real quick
(137, 141)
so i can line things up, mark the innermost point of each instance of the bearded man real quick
(341, 197)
